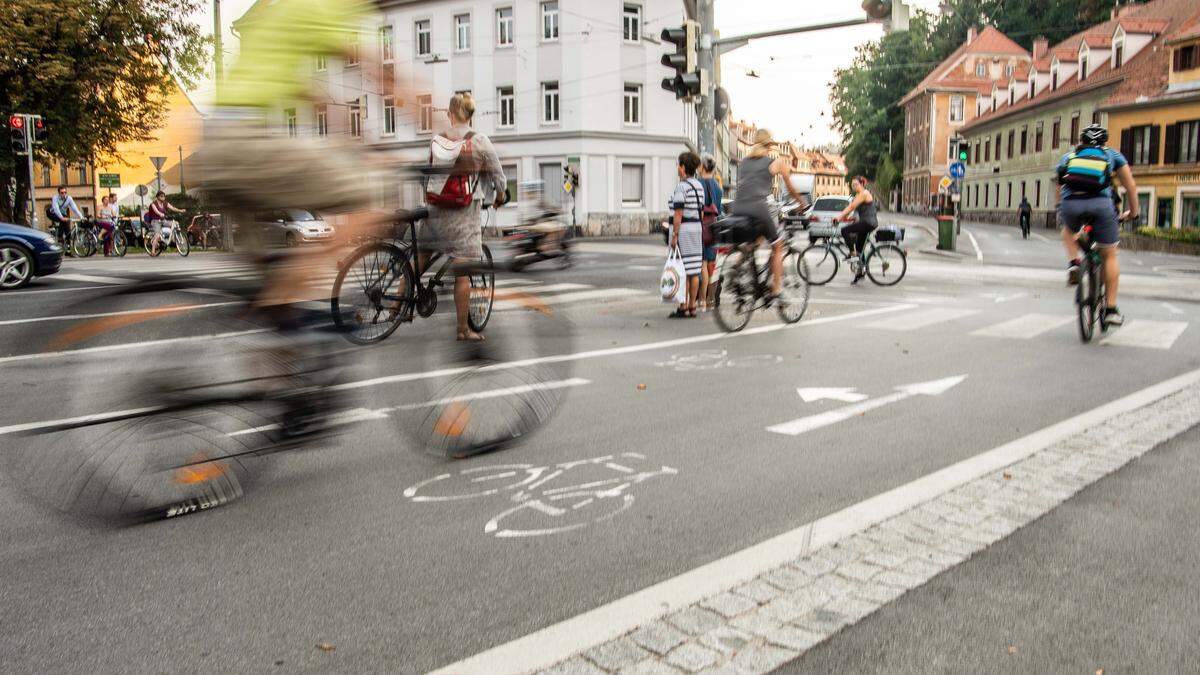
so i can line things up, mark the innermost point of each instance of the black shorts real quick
(760, 216)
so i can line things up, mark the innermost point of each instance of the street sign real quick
(945, 183)
(158, 162)
(110, 180)
(141, 190)
(956, 197)
(958, 170)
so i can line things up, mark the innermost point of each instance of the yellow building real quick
(1157, 120)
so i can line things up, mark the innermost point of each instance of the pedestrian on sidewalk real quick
(686, 233)
(1024, 211)
(713, 209)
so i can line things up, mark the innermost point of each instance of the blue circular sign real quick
(958, 170)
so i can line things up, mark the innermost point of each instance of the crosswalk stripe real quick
(915, 320)
(1147, 334)
(1025, 327)
(576, 296)
(93, 279)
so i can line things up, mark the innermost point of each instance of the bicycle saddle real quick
(405, 217)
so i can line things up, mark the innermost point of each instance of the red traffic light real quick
(39, 124)
(16, 122)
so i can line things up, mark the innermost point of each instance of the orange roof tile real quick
(988, 41)
(1189, 30)
(1143, 25)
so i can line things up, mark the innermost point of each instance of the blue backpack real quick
(1087, 171)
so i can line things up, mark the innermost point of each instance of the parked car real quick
(26, 253)
(826, 209)
(292, 227)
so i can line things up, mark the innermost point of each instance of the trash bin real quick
(946, 234)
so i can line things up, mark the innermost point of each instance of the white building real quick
(557, 82)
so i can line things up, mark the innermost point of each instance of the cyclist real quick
(59, 212)
(157, 212)
(756, 179)
(1085, 176)
(862, 225)
(106, 219)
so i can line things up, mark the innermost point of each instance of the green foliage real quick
(887, 177)
(1189, 235)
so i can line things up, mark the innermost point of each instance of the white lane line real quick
(1172, 308)
(975, 244)
(93, 279)
(151, 310)
(1039, 237)
(917, 320)
(629, 349)
(54, 290)
(577, 296)
(33, 426)
(1025, 327)
(1147, 334)
(558, 642)
(66, 353)
(642, 268)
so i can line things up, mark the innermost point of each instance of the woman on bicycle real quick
(756, 182)
(107, 220)
(865, 221)
(157, 212)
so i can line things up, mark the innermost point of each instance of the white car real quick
(292, 227)
(826, 209)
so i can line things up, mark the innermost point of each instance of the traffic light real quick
(686, 82)
(893, 14)
(40, 131)
(964, 153)
(16, 131)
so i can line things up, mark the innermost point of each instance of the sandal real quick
(678, 314)
(470, 336)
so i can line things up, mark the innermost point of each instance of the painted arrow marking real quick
(806, 424)
(843, 394)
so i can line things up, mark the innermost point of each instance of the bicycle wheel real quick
(887, 264)
(735, 293)
(83, 243)
(182, 245)
(1085, 303)
(375, 290)
(119, 245)
(483, 293)
(793, 297)
(152, 250)
(820, 264)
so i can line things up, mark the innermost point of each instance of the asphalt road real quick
(329, 550)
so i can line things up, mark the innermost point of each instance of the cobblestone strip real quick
(759, 625)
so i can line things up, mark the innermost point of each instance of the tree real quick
(98, 71)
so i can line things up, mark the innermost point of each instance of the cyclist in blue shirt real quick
(1085, 176)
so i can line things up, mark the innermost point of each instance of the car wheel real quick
(292, 241)
(16, 266)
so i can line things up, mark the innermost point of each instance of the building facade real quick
(946, 100)
(558, 83)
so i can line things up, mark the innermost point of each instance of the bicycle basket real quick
(817, 233)
(889, 233)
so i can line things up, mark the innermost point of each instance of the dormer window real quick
(1118, 57)
(1012, 96)
(1083, 63)
(1008, 70)
(980, 69)
(1054, 76)
(1032, 84)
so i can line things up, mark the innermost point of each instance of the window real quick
(1010, 194)
(424, 113)
(1032, 84)
(385, 44)
(998, 139)
(633, 104)
(549, 21)
(320, 63)
(1008, 70)
(352, 49)
(355, 121)
(1186, 58)
(633, 184)
(1056, 134)
(83, 174)
(1023, 195)
(511, 184)
(1165, 211)
(1025, 140)
(1012, 96)
(551, 177)
(322, 122)
(1186, 146)
(1037, 193)
(632, 22)
(980, 69)
(462, 33)
(957, 108)
(1039, 131)
(389, 115)
(1083, 59)
(1074, 127)
(289, 121)
(1118, 52)
(976, 152)
(1012, 142)
(504, 27)
(987, 150)
(424, 38)
(550, 103)
(1096, 117)
(46, 175)
(508, 107)
(1054, 78)
(1141, 145)
(952, 151)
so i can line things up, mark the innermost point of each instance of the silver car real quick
(292, 227)
(826, 209)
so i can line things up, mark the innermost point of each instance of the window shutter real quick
(1155, 133)
(1171, 156)
(1127, 143)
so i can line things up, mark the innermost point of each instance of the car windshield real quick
(830, 204)
(299, 216)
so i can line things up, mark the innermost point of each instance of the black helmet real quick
(1094, 135)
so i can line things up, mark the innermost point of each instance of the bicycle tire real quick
(152, 250)
(83, 244)
(821, 261)
(374, 264)
(886, 256)
(735, 294)
(793, 298)
(182, 245)
(1085, 303)
(483, 294)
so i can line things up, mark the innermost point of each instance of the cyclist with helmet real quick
(1085, 176)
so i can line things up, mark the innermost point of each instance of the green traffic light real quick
(962, 155)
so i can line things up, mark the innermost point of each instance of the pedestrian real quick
(107, 220)
(686, 233)
(713, 209)
(1024, 211)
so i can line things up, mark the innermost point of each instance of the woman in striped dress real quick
(687, 202)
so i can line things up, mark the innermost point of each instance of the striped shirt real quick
(689, 196)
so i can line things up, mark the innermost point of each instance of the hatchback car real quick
(292, 227)
(26, 253)
(826, 209)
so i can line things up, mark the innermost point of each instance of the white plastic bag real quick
(673, 284)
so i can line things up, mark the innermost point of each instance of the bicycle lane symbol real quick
(545, 500)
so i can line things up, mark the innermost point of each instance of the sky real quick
(790, 96)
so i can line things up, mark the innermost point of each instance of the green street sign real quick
(110, 180)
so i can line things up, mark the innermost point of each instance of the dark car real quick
(26, 253)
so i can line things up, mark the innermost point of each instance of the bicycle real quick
(744, 287)
(171, 236)
(885, 262)
(206, 234)
(1090, 303)
(119, 244)
(80, 241)
(386, 290)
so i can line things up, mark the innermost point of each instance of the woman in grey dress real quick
(458, 233)
(756, 183)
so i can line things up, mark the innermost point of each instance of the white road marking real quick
(1003, 297)
(150, 310)
(975, 244)
(917, 320)
(97, 417)
(1039, 237)
(1025, 327)
(577, 296)
(843, 394)
(1146, 334)
(643, 268)
(1172, 308)
(93, 279)
(66, 353)
(812, 422)
(53, 290)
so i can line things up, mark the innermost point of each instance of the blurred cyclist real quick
(756, 180)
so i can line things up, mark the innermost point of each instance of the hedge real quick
(1187, 235)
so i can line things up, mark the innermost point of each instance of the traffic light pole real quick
(29, 163)
(706, 122)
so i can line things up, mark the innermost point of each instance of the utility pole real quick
(706, 123)
(29, 158)
(218, 54)
(182, 184)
